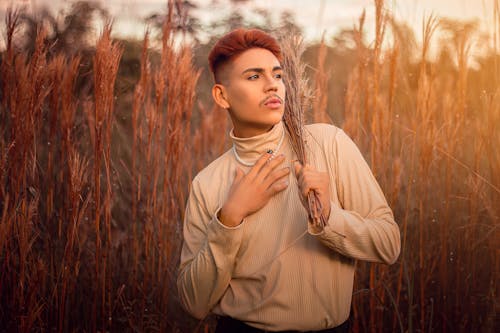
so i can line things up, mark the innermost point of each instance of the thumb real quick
(297, 167)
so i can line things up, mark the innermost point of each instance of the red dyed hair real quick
(238, 41)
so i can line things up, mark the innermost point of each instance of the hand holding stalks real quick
(314, 193)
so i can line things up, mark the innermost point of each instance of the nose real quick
(271, 83)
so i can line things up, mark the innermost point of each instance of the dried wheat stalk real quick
(297, 101)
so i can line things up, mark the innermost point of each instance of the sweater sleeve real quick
(364, 227)
(208, 256)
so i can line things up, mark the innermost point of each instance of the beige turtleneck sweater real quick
(271, 271)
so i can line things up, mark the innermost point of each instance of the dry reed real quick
(297, 103)
(106, 61)
(321, 77)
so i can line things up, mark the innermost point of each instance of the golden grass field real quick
(92, 196)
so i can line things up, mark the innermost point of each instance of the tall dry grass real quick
(91, 207)
(73, 255)
(428, 153)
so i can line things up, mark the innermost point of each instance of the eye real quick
(278, 75)
(253, 77)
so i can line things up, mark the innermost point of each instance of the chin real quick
(276, 117)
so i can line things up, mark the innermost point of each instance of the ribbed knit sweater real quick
(272, 271)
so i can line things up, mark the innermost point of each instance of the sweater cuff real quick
(224, 242)
(216, 217)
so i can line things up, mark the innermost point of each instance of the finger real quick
(306, 188)
(303, 178)
(316, 180)
(261, 162)
(313, 180)
(305, 192)
(304, 167)
(300, 183)
(277, 187)
(300, 178)
(276, 176)
(270, 166)
(311, 176)
(316, 186)
(297, 168)
(307, 171)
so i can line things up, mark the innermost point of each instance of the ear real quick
(219, 95)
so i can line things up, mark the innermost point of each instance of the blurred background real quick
(106, 116)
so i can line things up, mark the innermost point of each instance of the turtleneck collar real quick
(250, 149)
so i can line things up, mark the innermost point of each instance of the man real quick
(250, 254)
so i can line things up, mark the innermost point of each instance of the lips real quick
(273, 102)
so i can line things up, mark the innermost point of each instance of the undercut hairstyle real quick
(235, 43)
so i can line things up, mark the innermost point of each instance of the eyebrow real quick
(261, 70)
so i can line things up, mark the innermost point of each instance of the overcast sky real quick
(314, 16)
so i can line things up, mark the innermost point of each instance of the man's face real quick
(253, 91)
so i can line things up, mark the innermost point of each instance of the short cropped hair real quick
(235, 43)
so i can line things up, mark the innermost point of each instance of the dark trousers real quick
(230, 325)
